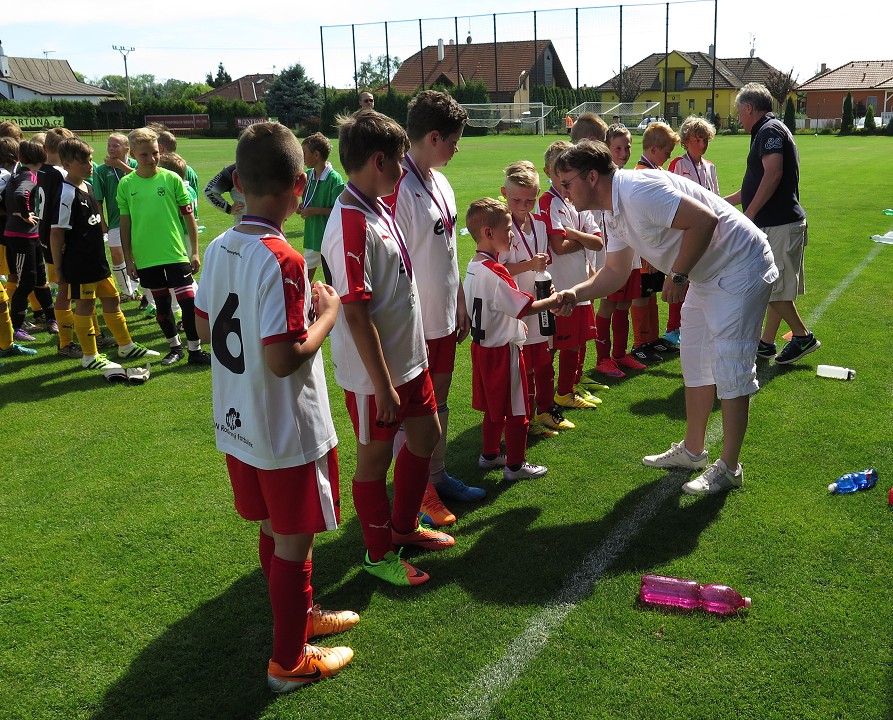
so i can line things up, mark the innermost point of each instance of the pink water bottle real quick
(689, 595)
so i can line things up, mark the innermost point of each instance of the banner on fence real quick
(181, 122)
(244, 122)
(41, 122)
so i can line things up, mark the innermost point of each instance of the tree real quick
(222, 77)
(780, 85)
(293, 97)
(628, 84)
(376, 73)
(790, 116)
(142, 86)
(846, 124)
(870, 125)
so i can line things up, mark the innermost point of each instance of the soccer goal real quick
(627, 111)
(501, 116)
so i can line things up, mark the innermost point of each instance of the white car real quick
(647, 121)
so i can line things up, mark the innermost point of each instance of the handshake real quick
(559, 303)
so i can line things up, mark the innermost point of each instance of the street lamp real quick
(125, 51)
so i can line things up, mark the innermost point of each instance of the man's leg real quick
(735, 413)
(698, 406)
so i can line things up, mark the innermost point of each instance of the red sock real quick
(581, 358)
(674, 319)
(370, 499)
(620, 330)
(491, 436)
(567, 369)
(291, 598)
(641, 331)
(410, 480)
(516, 440)
(603, 341)
(653, 319)
(265, 547)
(545, 387)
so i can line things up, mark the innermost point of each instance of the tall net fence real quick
(592, 45)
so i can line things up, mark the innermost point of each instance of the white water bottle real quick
(832, 371)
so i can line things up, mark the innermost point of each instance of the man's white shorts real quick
(721, 324)
(787, 243)
(114, 237)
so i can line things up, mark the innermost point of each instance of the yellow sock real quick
(117, 325)
(5, 328)
(83, 326)
(96, 328)
(65, 321)
(11, 286)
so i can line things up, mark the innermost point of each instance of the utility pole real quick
(46, 57)
(125, 51)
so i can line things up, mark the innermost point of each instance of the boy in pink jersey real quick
(425, 208)
(378, 348)
(266, 324)
(496, 306)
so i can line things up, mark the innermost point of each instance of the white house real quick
(23, 79)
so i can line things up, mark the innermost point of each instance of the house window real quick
(691, 105)
(872, 100)
(680, 80)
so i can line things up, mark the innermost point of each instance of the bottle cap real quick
(833, 487)
(747, 602)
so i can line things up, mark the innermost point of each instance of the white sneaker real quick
(716, 478)
(525, 471)
(676, 457)
(489, 463)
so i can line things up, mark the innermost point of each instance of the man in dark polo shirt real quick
(770, 196)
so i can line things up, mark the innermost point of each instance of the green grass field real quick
(129, 587)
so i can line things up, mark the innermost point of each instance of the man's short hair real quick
(9, 128)
(661, 135)
(755, 94)
(586, 155)
(268, 159)
(367, 100)
(431, 110)
(318, 142)
(74, 149)
(167, 140)
(553, 151)
(365, 133)
(482, 213)
(141, 135)
(588, 125)
(522, 174)
(55, 136)
(173, 162)
(616, 130)
(32, 153)
(696, 127)
(9, 150)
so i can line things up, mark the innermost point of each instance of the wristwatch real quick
(678, 278)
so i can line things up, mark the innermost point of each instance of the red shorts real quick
(416, 400)
(631, 291)
(572, 332)
(442, 354)
(537, 355)
(297, 500)
(499, 382)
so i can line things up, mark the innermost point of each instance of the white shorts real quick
(114, 237)
(312, 258)
(788, 243)
(721, 324)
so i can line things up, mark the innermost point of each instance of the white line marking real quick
(493, 681)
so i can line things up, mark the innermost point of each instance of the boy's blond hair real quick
(10, 128)
(482, 213)
(9, 150)
(698, 127)
(269, 160)
(522, 174)
(365, 133)
(73, 149)
(54, 137)
(553, 151)
(615, 131)
(40, 138)
(588, 126)
(140, 136)
(661, 135)
(173, 162)
(318, 142)
(122, 138)
(167, 140)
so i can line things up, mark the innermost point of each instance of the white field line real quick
(493, 681)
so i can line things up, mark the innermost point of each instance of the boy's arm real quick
(463, 322)
(562, 245)
(57, 243)
(127, 248)
(192, 229)
(609, 279)
(365, 336)
(285, 357)
(587, 240)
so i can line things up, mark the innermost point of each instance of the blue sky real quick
(786, 35)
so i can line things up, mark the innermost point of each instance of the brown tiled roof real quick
(478, 63)
(250, 88)
(731, 73)
(49, 77)
(856, 75)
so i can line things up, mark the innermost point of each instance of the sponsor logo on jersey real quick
(354, 256)
(94, 219)
(160, 191)
(774, 144)
(439, 227)
(232, 419)
(289, 281)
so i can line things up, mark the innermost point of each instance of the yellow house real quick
(683, 82)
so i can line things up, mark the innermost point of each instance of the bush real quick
(846, 125)
(870, 126)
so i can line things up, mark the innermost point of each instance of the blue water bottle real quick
(853, 482)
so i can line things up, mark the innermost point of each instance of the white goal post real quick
(606, 110)
(495, 115)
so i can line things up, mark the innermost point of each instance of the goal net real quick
(627, 111)
(505, 115)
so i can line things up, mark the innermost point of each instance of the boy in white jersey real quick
(569, 267)
(528, 255)
(378, 347)
(425, 208)
(496, 306)
(271, 407)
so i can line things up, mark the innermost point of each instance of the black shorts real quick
(652, 283)
(173, 275)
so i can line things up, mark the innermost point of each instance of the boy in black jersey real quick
(79, 257)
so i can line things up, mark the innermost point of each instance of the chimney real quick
(4, 63)
(824, 68)
(710, 51)
(440, 50)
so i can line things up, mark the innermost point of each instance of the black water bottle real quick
(542, 282)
